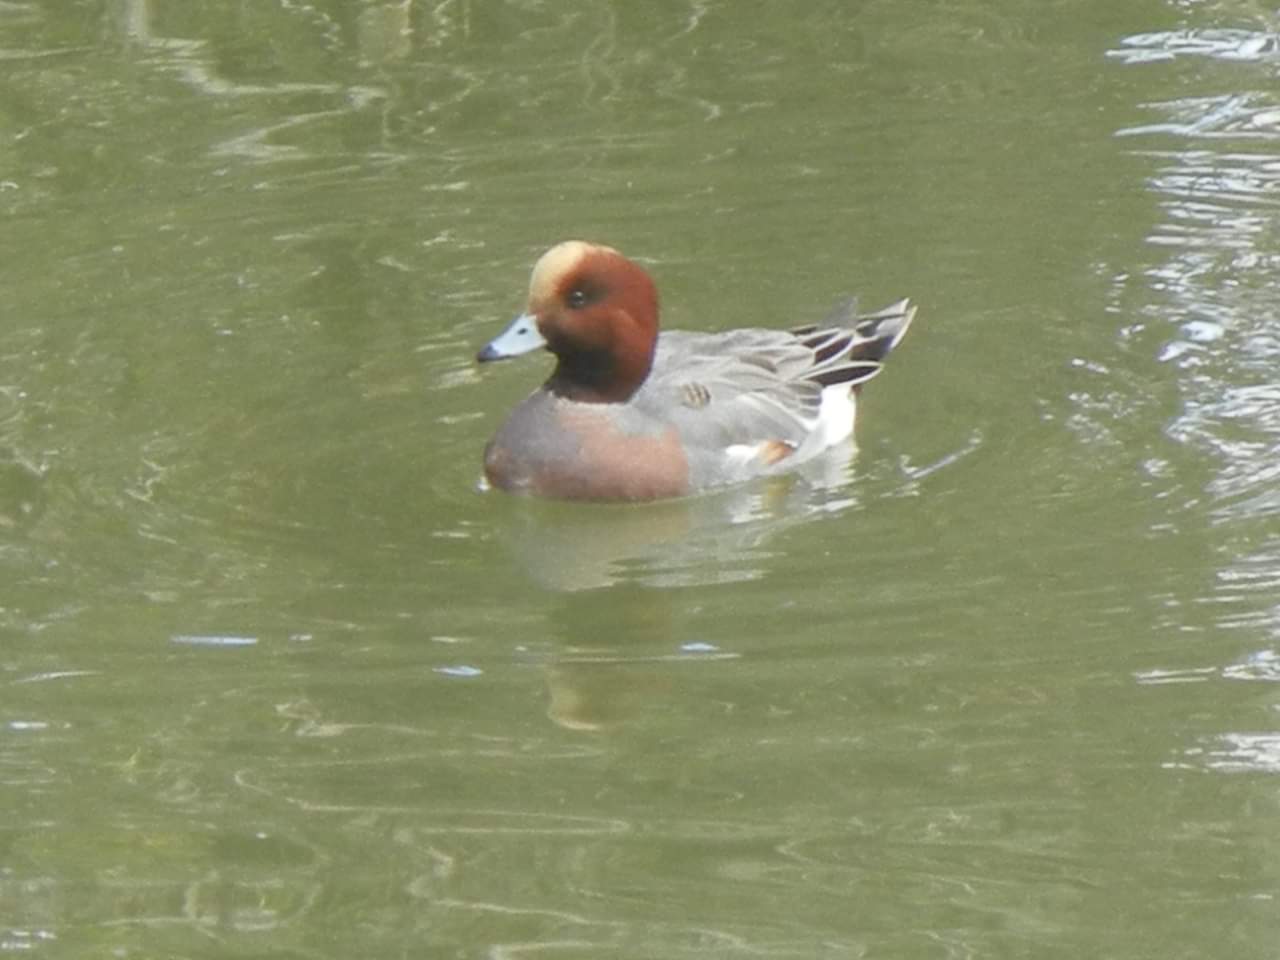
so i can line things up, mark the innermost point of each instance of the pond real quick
(281, 680)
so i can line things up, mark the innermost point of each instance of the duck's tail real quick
(850, 347)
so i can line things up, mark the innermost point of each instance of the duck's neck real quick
(596, 377)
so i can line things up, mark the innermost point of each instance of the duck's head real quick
(597, 312)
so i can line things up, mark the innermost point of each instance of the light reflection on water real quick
(1218, 184)
(1252, 46)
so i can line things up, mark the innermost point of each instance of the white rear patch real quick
(836, 415)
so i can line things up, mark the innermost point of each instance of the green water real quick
(279, 681)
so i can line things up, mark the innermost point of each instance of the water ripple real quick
(1216, 178)
(1262, 665)
(1245, 752)
(1218, 43)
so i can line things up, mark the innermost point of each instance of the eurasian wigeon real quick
(631, 414)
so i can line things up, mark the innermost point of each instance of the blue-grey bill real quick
(522, 336)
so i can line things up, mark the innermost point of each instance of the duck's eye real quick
(577, 298)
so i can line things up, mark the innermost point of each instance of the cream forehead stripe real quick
(555, 263)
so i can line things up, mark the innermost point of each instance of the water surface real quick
(281, 681)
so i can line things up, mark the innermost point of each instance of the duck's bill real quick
(522, 336)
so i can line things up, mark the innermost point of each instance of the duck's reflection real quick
(623, 650)
(697, 541)
(598, 678)
(622, 573)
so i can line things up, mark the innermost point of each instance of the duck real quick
(630, 413)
